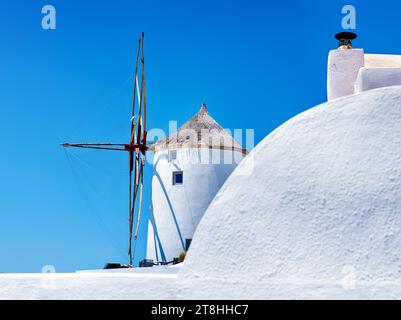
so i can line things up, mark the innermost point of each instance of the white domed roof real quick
(321, 207)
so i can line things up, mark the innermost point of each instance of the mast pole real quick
(136, 147)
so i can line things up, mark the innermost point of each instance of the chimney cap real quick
(346, 35)
(345, 39)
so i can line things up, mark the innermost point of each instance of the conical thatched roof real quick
(201, 131)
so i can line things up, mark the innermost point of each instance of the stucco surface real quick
(342, 71)
(373, 78)
(382, 61)
(318, 216)
(322, 207)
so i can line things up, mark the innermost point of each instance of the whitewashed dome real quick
(319, 214)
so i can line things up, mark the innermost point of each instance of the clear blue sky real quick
(255, 63)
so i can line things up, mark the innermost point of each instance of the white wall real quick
(372, 78)
(342, 71)
(351, 71)
(177, 209)
(382, 60)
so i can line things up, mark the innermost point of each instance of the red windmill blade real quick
(136, 147)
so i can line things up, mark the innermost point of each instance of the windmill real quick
(136, 147)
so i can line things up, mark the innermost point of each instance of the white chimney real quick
(343, 67)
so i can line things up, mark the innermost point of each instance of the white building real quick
(351, 70)
(318, 217)
(190, 166)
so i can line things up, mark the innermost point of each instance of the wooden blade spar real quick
(139, 154)
(136, 147)
(133, 91)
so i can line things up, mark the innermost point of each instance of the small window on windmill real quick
(178, 177)
(172, 155)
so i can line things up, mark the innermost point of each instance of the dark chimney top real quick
(345, 39)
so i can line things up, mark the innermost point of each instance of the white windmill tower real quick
(190, 166)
